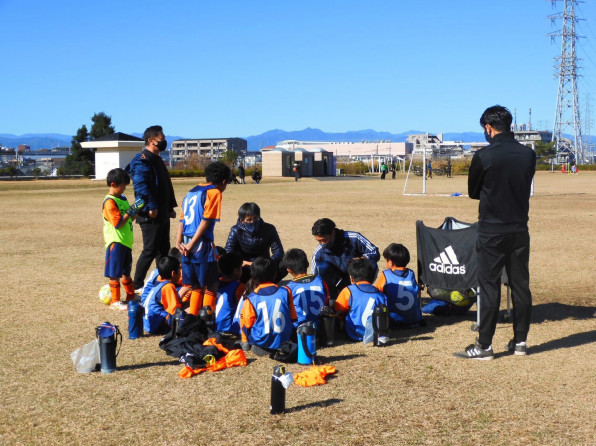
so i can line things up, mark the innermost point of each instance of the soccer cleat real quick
(123, 306)
(517, 348)
(475, 351)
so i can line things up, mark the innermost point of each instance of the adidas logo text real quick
(447, 263)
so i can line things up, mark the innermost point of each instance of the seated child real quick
(398, 283)
(268, 312)
(163, 299)
(227, 309)
(357, 301)
(152, 279)
(118, 216)
(310, 292)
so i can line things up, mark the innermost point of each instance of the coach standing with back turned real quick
(152, 183)
(501, 178)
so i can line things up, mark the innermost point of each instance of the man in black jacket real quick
(152, 183)
(501, 178)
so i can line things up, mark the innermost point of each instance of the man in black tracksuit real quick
(501, 178)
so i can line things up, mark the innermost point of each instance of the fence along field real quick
(412, 392)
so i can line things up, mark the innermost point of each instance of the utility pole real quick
(567, 110)
(588, 146)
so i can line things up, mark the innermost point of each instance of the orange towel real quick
(315, 376)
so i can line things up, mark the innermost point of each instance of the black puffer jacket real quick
(259, 243)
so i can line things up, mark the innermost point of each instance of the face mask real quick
(253, 227)
(161, 145)
(487, 136)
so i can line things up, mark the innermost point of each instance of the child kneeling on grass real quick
(268, 312)
(399, 284)
(229, 293)
(163, 300)
(357, 301)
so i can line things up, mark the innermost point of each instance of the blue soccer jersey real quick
(155, 312)
(401, 290)
(149, 284)
(271, 310)
(310, 295)
(202, 202)
(359, 300)
(226, 307)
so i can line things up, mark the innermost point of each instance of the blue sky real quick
(239, 68)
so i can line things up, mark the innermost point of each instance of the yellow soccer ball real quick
(105, 295)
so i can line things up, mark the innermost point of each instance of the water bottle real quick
(307, 349)
(380, 319)
(278, 391)
(107, 334)
(135, 320)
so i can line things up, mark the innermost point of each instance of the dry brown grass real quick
(412, 392)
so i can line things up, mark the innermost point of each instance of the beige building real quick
(182, 149)
(111, 151)
(352, 149)
(311, 162)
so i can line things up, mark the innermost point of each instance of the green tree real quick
(545, 150)
(229, 157)
(36, 171)
(81, 161)
(11, 171)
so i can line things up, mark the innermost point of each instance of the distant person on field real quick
(310, 292)
(393, 170)
(241, 174)
(383, 170)
(296, 170)
(256, 176)
(449, 168)
(163, 299)
(429, 169)
(357, 301)
(153, 185)
(501, 178)
(336, 248)
(201, 209)
(268, 312)
(118, 216)
(399, 284)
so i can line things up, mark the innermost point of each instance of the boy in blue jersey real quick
(310, 292)
(163, 300)
(227, 309)
(357, 301)
(118, 216)
(201, 208)
(152, 281)
(268, 312)
(399, 284)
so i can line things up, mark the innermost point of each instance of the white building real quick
(112, 151)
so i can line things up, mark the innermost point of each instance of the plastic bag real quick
(87, 357)
(369, 333)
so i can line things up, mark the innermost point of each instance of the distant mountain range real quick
(256, 142)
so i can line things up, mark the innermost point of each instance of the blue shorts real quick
(199, 275)
(118, 261)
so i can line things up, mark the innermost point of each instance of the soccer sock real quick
(186, 296)
(210, 299)
(196, 302)
(129, 288)
(115, 289)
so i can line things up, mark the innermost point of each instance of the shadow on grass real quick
(557, 312)
(574, 340)
(149, 364)
(328, 359)
(324, 403)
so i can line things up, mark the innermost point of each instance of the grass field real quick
(412, 392)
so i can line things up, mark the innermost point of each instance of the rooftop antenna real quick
(567, 109)
(530, 120)
(515, 119)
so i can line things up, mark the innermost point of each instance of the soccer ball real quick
(460, 299)
(105, 295)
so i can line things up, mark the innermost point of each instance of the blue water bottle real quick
(107, 336)
(135, 320)
(307, 343)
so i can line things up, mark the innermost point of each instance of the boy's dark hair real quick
(498, 117)
(398, 254)
(323, 226)
(118, 177)
(361, 270)
(173, 252)
(249, 209)
(295, 259)
(228, 263)
(263, 270)
(152, 132)
(217, 173)
(166, 265)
